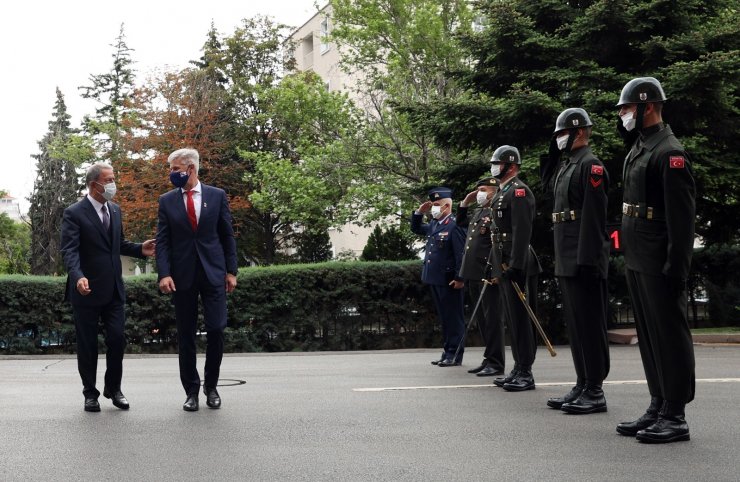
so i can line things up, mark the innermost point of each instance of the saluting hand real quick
(425, 207)
(470, 198)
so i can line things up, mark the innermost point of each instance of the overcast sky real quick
(49, 44)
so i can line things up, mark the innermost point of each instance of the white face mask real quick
(109, 190)
(436, 212)
(481, 198)
(562, 141)
(495, 170)
(628, 121)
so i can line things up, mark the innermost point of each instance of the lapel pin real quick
(205, 205)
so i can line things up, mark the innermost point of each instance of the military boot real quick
(522, 381)
(499, 382)
(647, 419)
(591, 400)
(670, 427)
(558, 402)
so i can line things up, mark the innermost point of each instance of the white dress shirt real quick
(97, 207)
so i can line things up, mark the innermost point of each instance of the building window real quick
(307, 51)
(325, 35)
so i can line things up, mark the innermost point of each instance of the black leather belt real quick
(563, 216)
(638, 211)
(500, 237)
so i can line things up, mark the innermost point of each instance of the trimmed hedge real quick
(327, 306)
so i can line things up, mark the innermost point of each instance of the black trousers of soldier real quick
(450, 306)
(664, 337)
(490, 322)
(523, 345)
(584, 303)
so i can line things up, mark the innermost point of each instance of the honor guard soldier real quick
(513, 209)
(475, 269)
(581, 255)
(442, 260)
(657, 237)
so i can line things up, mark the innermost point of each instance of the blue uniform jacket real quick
(443, 251)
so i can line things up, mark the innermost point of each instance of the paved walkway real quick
(386, 416)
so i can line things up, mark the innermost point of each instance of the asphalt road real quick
(342, 416)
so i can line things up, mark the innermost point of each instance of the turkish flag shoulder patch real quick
(597, 170)
(677, 162)
(520, 193)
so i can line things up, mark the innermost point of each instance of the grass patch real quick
(720, 330)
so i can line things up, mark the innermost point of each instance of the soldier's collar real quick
(505, 186)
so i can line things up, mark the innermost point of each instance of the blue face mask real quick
(179, 179)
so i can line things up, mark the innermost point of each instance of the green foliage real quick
(15, 243)
(328, 306)
(389, 245)
(61, 152)
(717, 270)
(313, 246)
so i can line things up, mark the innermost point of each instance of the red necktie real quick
(191, 210)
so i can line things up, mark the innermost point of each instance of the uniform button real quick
(470, 238)
(467, 247)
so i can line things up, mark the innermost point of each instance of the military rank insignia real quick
(520, 192)
(676, 162)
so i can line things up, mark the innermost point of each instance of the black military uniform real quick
(658, 236)
(581, 260)
(474, 269)
(513, 210)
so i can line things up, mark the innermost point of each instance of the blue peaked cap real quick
(440, 193)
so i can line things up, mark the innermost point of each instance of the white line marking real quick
(550, 384)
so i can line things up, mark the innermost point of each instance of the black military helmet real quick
(641, 91)
(573, 118)
(506, 154)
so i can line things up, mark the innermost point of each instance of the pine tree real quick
(55, 188)
(112, 90)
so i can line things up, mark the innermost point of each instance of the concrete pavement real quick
(357, 416)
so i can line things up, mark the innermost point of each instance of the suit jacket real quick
(443, 250)
(478, 243)
(581, 186)
(658, 174)
(179, 247)
(91, 252)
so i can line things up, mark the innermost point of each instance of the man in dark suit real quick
(442, 259)
(513, 209)
(475, 268)
(581, 255)
(658, 238)
(196, 257)
(92, 243)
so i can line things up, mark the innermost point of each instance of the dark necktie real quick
(191, 210)
(106, 218)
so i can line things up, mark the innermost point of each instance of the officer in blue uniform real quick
(442, 260)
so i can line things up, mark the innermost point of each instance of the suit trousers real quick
(663, 334)
(584, 304)
(213, 299)
(113, 319)
(490, 322)
(523, 343)
(450, 306)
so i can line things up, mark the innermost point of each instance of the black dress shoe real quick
(591, 400)
(117, 398)
(191, 404)
(448, 362)
(523, 381)
(213, 400)
(92, 405)
(436, 362)
(500, 382)
(650, 416)
(668, 428)
(489, 371)
(480, 368)
(568, 397)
